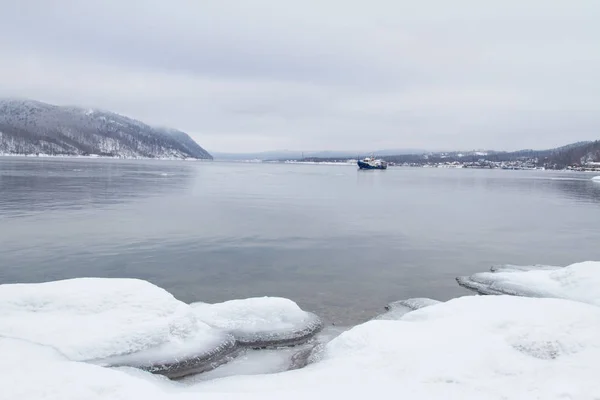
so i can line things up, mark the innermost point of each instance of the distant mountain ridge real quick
(577, 154)
(292, 155)
(33, 127)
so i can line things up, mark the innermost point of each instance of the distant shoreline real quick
(472, 165)
(336, 163)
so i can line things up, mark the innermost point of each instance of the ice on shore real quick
(112, 322)
(261, 321)
(580, 282)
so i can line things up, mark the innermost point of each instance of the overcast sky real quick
(252, 75)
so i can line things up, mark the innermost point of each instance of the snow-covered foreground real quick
(473, 347)
(580, 282)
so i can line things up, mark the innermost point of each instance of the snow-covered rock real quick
(113, 322)
(261, 321)
(474, 347)
(398, 309)
(580, 282)
(31, 127)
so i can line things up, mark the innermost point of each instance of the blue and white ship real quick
(371, 163)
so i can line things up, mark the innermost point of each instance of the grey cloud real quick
(258, 75)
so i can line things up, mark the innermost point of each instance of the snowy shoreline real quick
(96, 156)
(79, 338)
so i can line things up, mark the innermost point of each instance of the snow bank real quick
(580, 282)
(112, 322)
(261, 321)
(479, 347)
(596, 179)
(398, 309)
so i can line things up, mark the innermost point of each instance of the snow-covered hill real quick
(30, 127)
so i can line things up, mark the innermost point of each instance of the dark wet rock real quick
(302, 357)
(414, 303)
(513, 268)
(397, 309)
(177, 361)
(192, 366)
(480, 288)
(266, 339)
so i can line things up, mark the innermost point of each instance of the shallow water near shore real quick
(340, 242)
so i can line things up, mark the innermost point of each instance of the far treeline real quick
(573, 155)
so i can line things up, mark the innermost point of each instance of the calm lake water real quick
(340, 242)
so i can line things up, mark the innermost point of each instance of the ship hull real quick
(364, 165)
